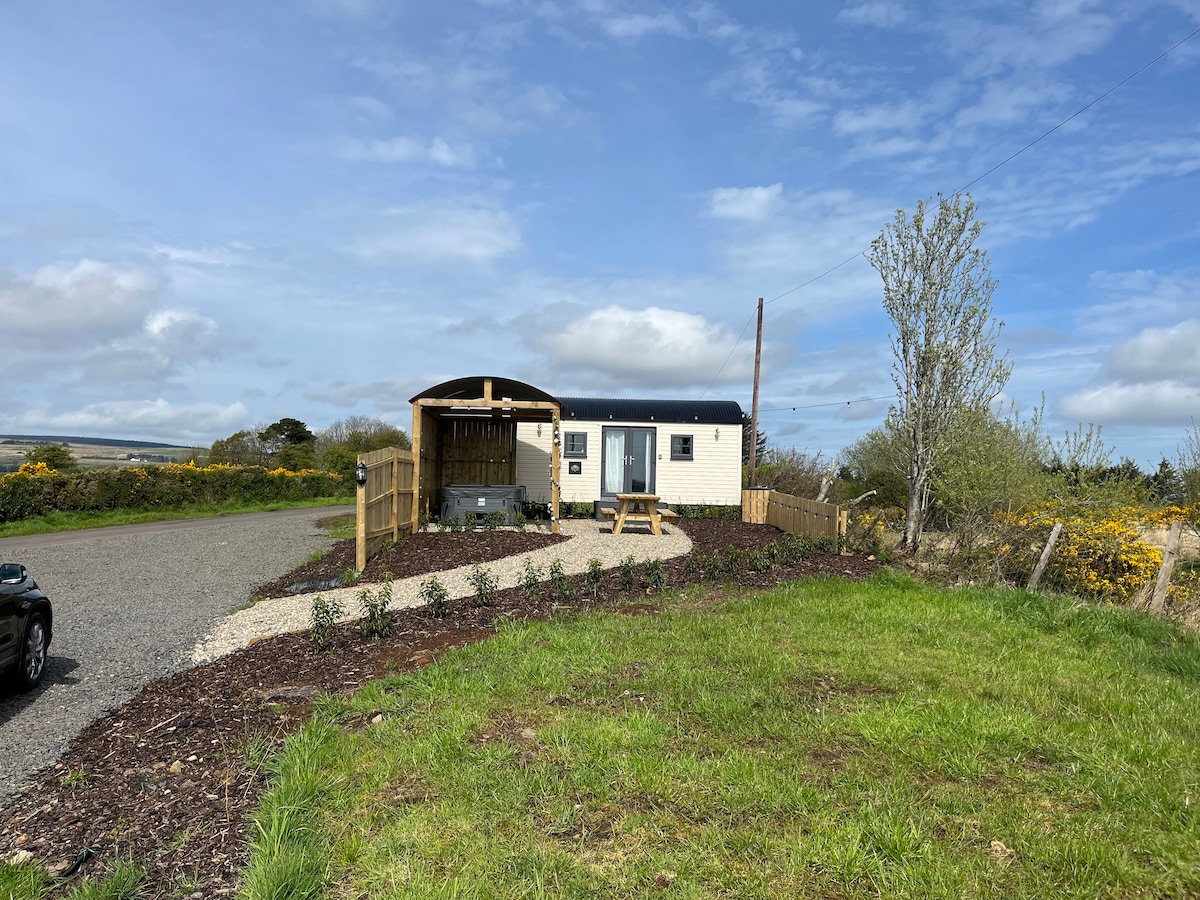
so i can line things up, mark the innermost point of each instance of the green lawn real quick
(824, 739)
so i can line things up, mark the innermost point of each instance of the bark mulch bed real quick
(420, 554)
(169, 779)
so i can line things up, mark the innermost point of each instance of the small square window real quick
(681, 446)
(575, 444)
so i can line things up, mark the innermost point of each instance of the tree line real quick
(290, 444)
(945, 454)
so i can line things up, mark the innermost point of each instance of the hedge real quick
(36, 490)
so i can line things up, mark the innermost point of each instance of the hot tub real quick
(478, 500)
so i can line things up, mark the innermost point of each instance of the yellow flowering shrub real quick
(33, 470)
(1100, 554)
(35, 489)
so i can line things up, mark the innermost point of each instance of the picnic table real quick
(637, 508)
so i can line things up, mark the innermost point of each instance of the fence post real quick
(360, 530)
(395, 495)
(1168, 564)
(1044, 558)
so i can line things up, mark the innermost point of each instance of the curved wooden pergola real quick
(464, 432)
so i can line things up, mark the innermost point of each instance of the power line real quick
(1080, 111)
(727, 357)
(817, 405)
(969, 184)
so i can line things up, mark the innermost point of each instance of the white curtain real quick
(614, 461)
(641, 461)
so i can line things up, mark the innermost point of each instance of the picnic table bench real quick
(642, 508)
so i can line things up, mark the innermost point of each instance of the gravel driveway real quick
(129, 605)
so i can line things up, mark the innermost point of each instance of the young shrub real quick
(531, 577)
(563, 588)
(520, 522)
(485, 585)
(714, 566)
(655, 574)
(435, 596)
(693, 568)
(375, 622)
(594, 575)
(758, 560)
(494, 520)
(735, 562)
(628, 573)
(323, 619)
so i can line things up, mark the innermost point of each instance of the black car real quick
(26, 623)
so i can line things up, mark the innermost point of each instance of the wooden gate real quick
(385, 502)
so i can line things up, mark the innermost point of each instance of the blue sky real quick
(223, 213)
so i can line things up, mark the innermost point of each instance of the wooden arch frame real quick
(477, 398)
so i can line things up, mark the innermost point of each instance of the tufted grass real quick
(823, 739)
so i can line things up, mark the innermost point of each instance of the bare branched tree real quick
(937, 290)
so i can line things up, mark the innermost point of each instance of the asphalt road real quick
(130, 602)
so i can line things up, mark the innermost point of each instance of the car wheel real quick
(32, 664)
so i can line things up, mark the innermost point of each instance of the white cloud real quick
(752, 204)
(880, 13)
(765, 82)
(60, 308)
(1159, 353)
(904, 116)
(648, 348)
(636, 25)
(228, 255)
(1139, 299)
(370, 109)
(403, 149)
(1009, 101)
(1038, 41)
(179, 324)
(431, 235)
(1152, 403)
(142, 418)
(470, 97)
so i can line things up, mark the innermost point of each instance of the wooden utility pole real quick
(754, 403)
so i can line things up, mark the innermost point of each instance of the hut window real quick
(575, 444)
(681, 446)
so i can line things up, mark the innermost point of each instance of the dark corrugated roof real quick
(705, 412)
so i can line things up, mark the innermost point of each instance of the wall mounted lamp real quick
(360, 473)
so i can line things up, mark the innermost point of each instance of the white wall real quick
(713, 475)
(533, 459)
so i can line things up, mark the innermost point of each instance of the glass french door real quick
(627, 466)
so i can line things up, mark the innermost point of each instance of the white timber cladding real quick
(713, 476)
(533, 460)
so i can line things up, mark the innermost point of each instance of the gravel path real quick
(129, 606)
(587, 540)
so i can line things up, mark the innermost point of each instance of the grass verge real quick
(70, 521)
(823, 739)
(29, 881)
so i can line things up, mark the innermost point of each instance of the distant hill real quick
(35, 439)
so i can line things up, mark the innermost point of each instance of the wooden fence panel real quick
(385, 502)
(478, 451)
(795, 515)
(754, 506)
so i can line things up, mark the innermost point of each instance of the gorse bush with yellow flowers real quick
(1100, 554)
(36, 489)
